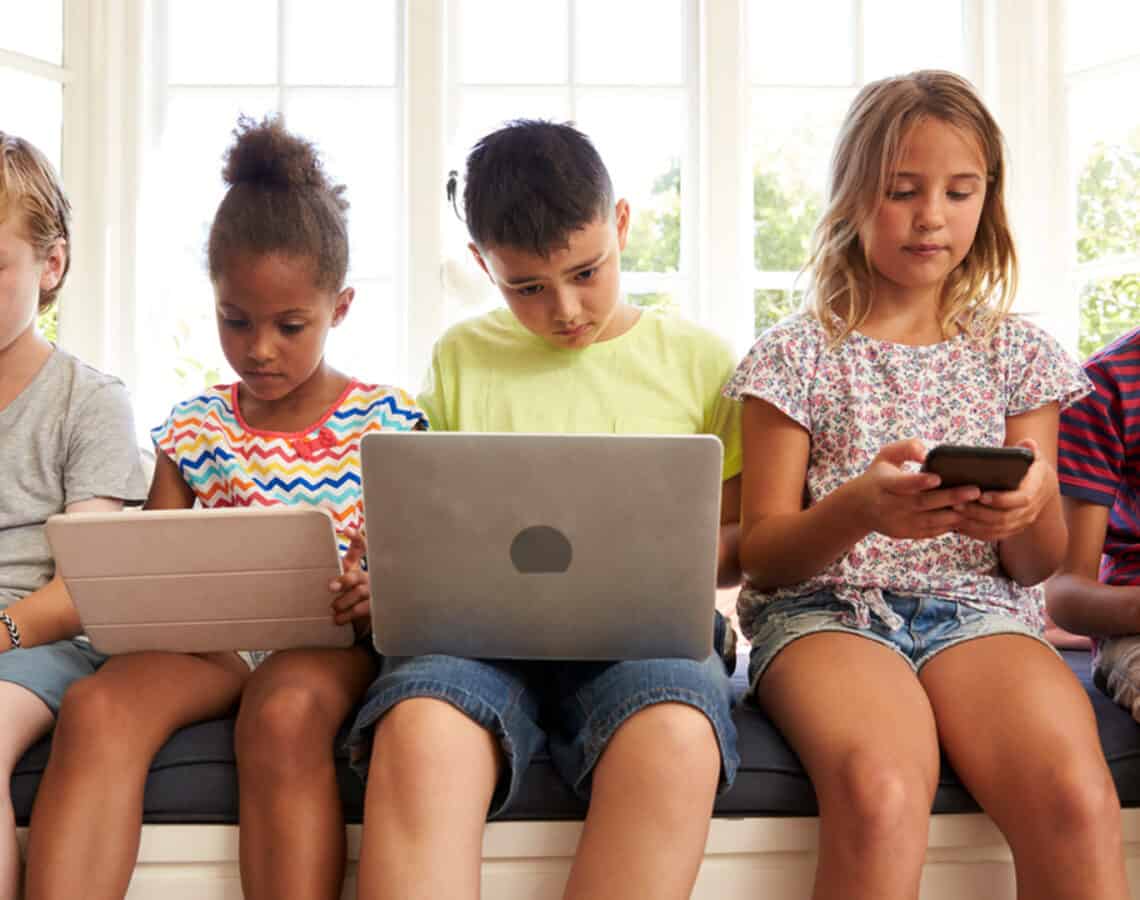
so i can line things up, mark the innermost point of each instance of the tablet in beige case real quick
(200, 580)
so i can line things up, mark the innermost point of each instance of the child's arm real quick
(782, 543)
(1077, 600)
(47, 615)
(1027, 524)
(728, 549)
(168, 490)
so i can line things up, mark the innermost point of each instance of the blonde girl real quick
(890, 616)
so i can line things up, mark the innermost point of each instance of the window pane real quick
(892, 45)
(809, 42)
(1100, 31)
(512, 41)
(357, 133)
(1105, 152)
(772, 305)
(222, 42)
(340, 42)
(641, 138)
(1110, 307)
(33, 110)
(793, 133)
(664, 301)
(606, 52)
(178, 345)
(482, 111)
(367, 345)
(34, 29)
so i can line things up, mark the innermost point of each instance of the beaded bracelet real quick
(13, 631)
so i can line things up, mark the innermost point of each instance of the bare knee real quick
(1075, 803)
(96, 724)
(286, 731)
(669, 750)
(423, 736)
(878, 802)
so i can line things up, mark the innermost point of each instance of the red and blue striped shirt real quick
(1098, 457)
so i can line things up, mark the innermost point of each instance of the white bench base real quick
(744, 859)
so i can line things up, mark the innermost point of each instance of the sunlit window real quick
(1102, 71)
(332, 70)
(621, 72)
(808, 60)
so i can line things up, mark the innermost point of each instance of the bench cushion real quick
(194, 778)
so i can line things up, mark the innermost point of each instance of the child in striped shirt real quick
(1097, 590)
(287, 433)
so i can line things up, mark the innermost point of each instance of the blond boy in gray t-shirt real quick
(66, 444)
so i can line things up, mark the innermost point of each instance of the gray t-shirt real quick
(69, 436)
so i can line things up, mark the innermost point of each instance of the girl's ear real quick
(343, 303)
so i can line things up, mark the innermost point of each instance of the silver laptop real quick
(531, 546)
(199, 580)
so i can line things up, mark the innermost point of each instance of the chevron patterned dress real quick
(227, 463)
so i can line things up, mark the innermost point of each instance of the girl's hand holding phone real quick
(997, 515)
(905, 504)
(352, 602)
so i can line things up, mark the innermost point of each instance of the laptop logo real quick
(541, 549)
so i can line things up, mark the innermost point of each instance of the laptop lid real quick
(201, 580)
(539, 546)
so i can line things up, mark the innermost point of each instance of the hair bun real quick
(265, 154)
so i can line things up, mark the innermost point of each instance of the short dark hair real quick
(279, 201)
(531, 184)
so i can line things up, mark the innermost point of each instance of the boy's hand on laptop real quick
(353, 596)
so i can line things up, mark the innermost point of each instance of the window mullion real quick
(1023, 82)
(724, 174)
(425, 73)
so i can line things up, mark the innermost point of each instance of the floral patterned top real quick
(866, 393)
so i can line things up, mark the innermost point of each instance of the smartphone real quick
(990, 468)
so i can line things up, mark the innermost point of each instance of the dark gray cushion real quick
(193, 778)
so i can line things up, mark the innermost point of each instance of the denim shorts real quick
(574, 708)
(929, 626)
(49, 669)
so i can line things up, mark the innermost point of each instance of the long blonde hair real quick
(977, 295)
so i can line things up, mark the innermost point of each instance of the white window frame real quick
(1078, 274)
(1015, 48)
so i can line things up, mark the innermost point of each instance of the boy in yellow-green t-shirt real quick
(648, 741)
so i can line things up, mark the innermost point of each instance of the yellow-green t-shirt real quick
(663, 376)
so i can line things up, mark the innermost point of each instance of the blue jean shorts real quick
(49, 669)
(929, 626)
(574, 707)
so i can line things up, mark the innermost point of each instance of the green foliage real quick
(195, 374)
(47, 324)
(654, 240)
(1108, 225)
(666, 302)
(785, 216)
(770, 306)
(1109, 308)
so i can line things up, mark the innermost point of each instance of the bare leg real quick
(430, 784)
(26, 719)
(858, 718)
(1020, 732)
(650, 807)
(292, 825)
(88, 814)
